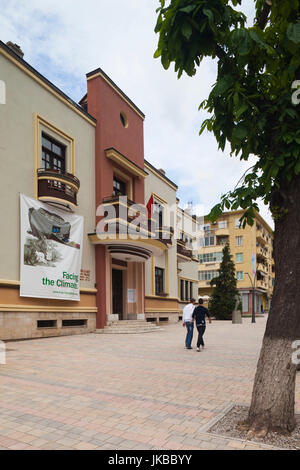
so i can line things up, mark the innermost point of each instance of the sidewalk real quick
(142, 391)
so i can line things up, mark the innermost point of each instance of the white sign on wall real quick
(51, 250)
(131, 296)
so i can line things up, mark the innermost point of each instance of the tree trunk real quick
(273, 396)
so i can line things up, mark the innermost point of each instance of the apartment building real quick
(252, 253)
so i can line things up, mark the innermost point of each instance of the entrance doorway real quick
(117, 292)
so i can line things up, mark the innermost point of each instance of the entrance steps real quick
(129, 327)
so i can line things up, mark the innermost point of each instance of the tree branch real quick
(262, 19)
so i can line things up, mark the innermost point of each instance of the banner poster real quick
(51, 251)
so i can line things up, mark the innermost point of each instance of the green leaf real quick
(240, 131)
(186, 30)
(209, 14)
(165, 61)
(241, 110)
(293, 32)
(222, 85)
(188, 9)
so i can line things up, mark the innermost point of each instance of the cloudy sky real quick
(65, 39)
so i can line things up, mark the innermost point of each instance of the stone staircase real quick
(129, 327)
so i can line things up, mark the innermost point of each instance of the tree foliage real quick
(225, 294)
(250, 105)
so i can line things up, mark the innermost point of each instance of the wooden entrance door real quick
(117, 292)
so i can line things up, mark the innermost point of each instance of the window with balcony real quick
(53, 154)
(159, 281)
(119, 187)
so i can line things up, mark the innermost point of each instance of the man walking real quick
(188, 321)
(199, 315)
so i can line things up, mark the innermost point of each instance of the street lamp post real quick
(253, 296)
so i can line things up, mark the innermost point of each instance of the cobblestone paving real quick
(137, 391)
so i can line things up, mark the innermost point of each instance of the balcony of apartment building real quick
(261, 235)
(262, 252)
(183, 252)
(222, 240)
(262, 267)
(262, 281)
(127, 232)
(57, 186)
(184, 248)
(222, 231)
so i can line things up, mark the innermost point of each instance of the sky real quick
(65, 39)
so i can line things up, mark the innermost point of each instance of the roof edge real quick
(47, 82)
(101, 73)
(156, 170)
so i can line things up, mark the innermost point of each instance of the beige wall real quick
(248, 247)
(187, 270)
(25, 97)
(166, 195)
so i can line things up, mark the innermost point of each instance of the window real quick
(53, 154)
(186, 290)
(119, 187)
(159, 210)
(239, 258)
(239, 275)
(47, 323)
(245, 303)
(70, 323)
(222, 224)
(210, 257)
(239, 241)
(182, 289)
(237, 223)
(207, 275)
(209, 241)
(159, 281)
(123, 119)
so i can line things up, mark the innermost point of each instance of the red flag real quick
(149, 206)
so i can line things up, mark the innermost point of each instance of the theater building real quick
(47, 152)
(87, 160)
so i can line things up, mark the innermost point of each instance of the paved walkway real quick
(128, 392)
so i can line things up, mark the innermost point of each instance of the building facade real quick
(87, 159)
(47, 152)
(252, 252)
